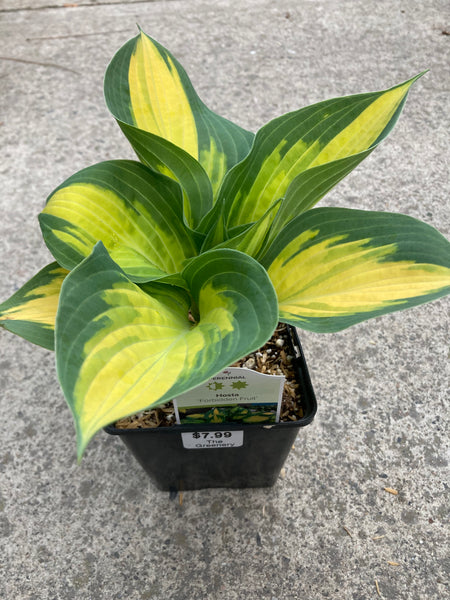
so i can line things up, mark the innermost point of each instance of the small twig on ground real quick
(347, 531)
(391, 491)
(41, 64)
(378, 588)
(75, 35)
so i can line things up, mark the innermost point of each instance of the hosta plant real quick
(170, 268)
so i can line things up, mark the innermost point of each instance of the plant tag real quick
(233, 395)
(212, 439)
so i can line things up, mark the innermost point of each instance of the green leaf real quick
(120, 350)
(335, 130)
(135, 212)
(31, 311)
(216, 234)
(147, 88)
(334, 267)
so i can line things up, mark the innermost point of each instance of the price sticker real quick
(212, 439)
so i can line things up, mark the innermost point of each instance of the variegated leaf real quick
(310, 186)
(147, 89)
(120, 349)
(252, 240)
(334, 267)
(166, 158)
(135, 212)
(342, 129)
(31, 311)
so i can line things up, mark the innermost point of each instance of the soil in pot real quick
(276, 357)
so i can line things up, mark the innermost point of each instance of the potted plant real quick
(171, 268)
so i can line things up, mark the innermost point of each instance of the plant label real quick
(233, 395)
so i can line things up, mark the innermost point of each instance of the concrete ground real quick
(101, 531)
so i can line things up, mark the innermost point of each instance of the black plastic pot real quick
(251, 455)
